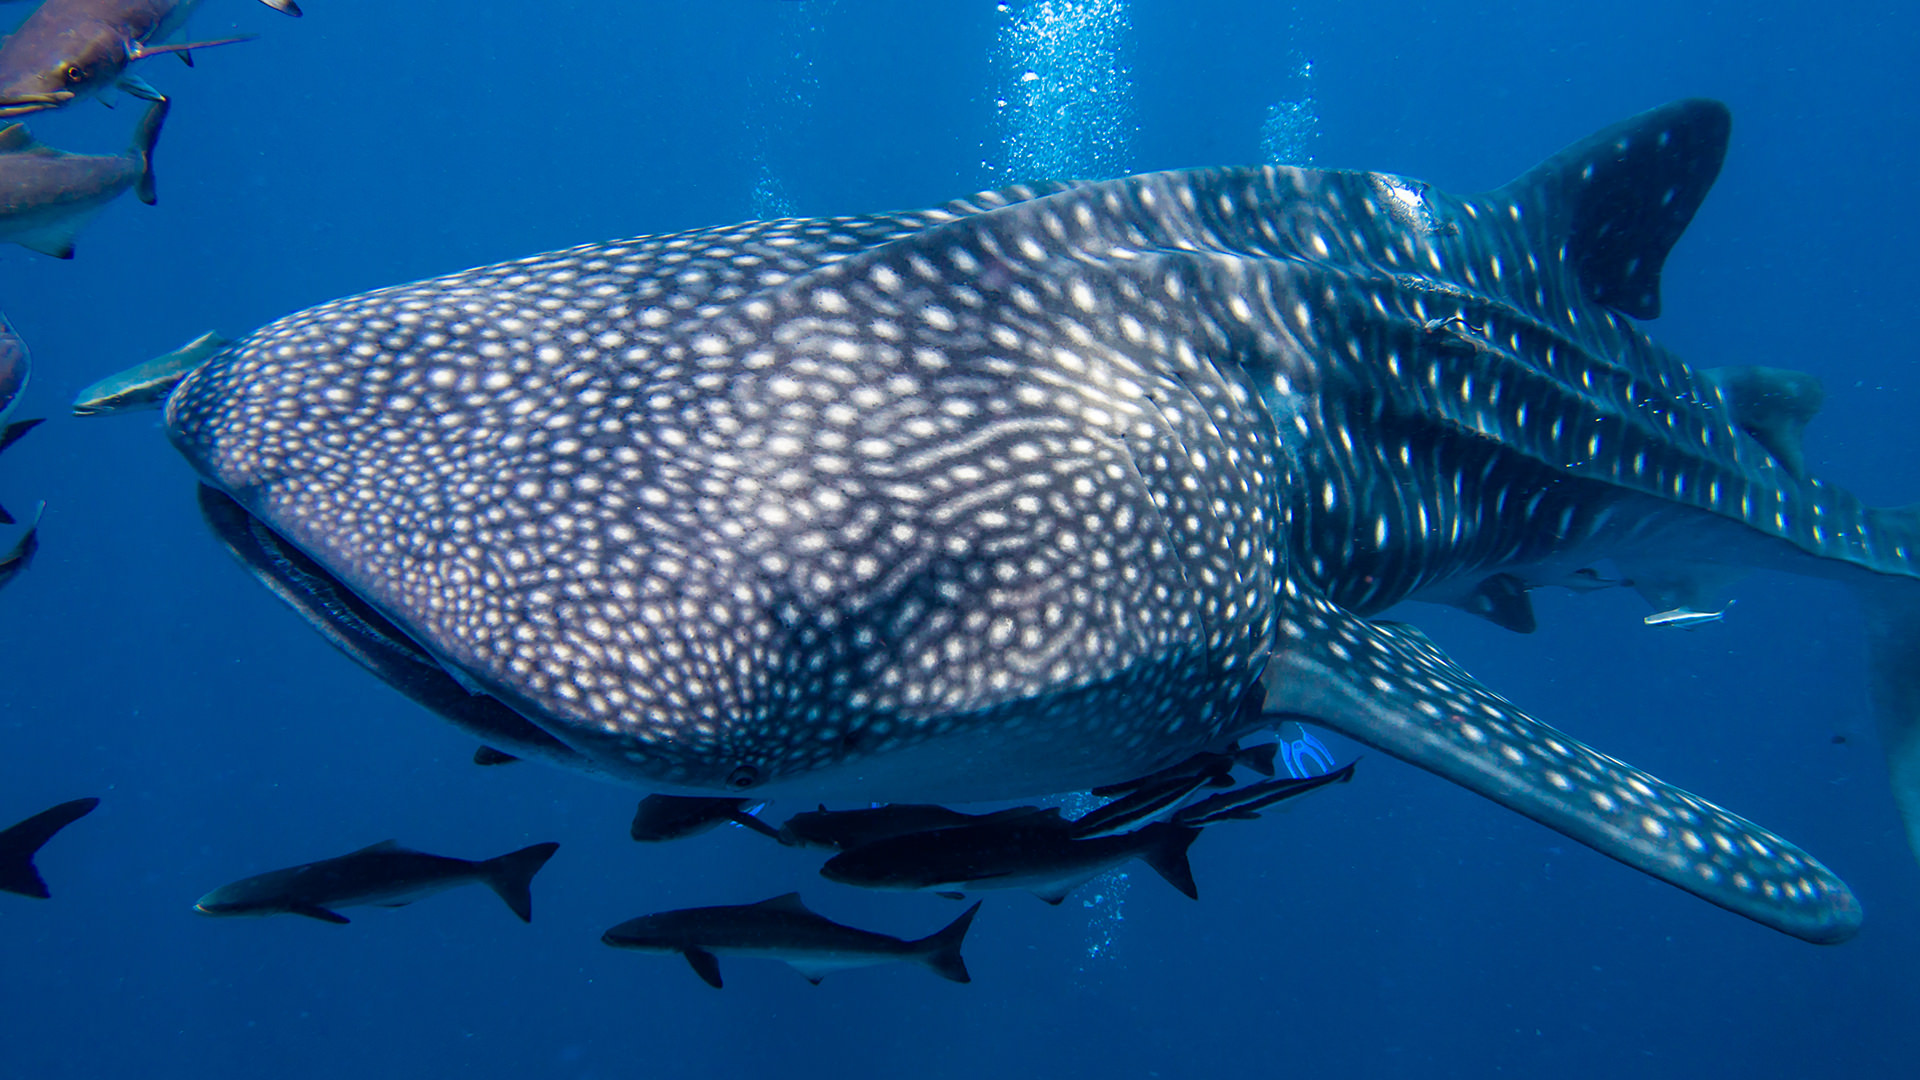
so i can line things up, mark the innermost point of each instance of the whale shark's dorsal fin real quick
(1619, 198)
(1773, 405)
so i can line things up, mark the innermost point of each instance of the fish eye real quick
(744, 777)
(75, 73)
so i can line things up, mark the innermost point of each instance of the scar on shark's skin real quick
(1026, 493)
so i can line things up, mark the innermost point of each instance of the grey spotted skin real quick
(1026, 494)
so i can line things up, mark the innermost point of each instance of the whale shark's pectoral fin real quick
(1386, 685)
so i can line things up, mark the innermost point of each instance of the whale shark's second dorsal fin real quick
(1619, 198)
(1773, 405)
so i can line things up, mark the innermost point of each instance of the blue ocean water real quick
(1398, 926)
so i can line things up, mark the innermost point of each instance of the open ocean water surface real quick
(1399, 926)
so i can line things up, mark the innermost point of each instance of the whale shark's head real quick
(791, 499)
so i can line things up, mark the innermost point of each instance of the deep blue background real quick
(1399, 926)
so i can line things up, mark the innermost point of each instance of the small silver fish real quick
(146, 385)
(1681, 618)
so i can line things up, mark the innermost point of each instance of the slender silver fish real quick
(146, 386)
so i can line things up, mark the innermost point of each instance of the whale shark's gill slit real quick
(1388, 686)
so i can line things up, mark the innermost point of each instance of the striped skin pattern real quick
(1024, 494)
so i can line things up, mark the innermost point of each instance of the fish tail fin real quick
(940, 950)
(511, 876)
(20, 843)
(1166, 853)
(145, 137)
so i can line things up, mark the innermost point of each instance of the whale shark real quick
(1034, 492)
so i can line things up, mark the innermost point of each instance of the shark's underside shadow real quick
(1026, 494)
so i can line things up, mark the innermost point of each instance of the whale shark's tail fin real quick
(1892, 608)
(511, 875)
(1386, 685)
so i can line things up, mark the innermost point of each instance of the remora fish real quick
(1686, 618)
(385, 874)
(785, 929)
(1136, 806)
(1045, 860)
(848, 829)
(46, 195)
(675, 817)
(146, 386)
(1213, 769)
(68, 50)
(21, 842)
(1245, 803)
(1023, 495)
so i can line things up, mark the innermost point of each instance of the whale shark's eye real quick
(75, 73)
(744, 777)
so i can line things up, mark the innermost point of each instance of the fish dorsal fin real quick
(1621, 197)
(1773, 405)
(384, 845)
(790, 903)
(16, 139)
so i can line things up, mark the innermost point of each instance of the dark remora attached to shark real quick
(1039, 854)
(1027, 493)
(660, 818)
